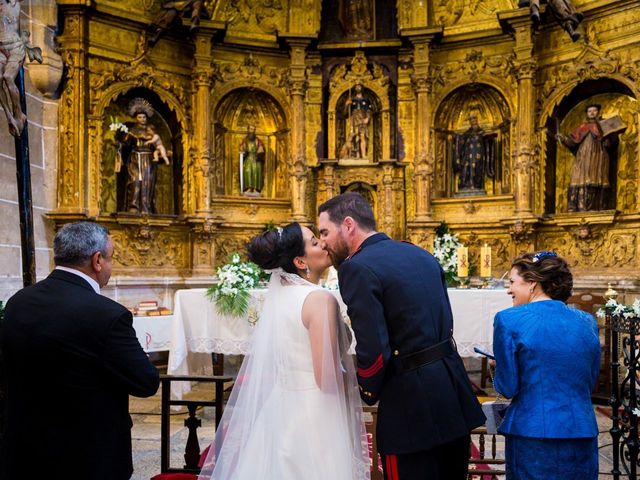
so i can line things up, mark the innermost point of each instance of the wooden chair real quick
(483, 464)
(371, 419)
(591, 303)
(192, 454)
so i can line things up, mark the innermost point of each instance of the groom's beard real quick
(339, 254)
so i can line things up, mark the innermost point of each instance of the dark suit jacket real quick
(397, 302)
(72, 359)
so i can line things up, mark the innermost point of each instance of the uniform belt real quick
(426, 356)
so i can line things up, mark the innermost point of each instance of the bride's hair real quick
(277, 248)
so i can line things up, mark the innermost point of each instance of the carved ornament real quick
(265, 16)
(591, 64)
(250, 71)
(142, 74)
(521, 232)
(358, 72)
(470, 208)
(141, 247)
(472, 68)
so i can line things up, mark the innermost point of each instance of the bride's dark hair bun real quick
(273, 249)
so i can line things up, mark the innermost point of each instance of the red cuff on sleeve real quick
(373, 369)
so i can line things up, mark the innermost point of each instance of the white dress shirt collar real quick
(91, 281)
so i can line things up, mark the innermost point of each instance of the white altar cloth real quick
(198, 329)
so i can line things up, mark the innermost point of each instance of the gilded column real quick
(525, 162)
(298, 169)
(423, 159)
(72, 113)
(202, 131)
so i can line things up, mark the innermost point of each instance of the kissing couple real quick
(295, 412)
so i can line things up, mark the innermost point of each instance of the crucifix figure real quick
(14, 45)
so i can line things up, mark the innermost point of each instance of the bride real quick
(294, 412)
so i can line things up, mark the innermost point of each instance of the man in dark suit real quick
(72, 359)
(399, 309)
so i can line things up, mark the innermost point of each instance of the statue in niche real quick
(356, 18)
(563, 11)
(474, 158)
(14, 45)
(589, 178)
(142, 149)
(252, 155)
(358, 109)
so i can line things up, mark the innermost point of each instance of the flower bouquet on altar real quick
(445, 248)
(235, 279)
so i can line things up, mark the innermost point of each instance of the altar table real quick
(153, 332)
(197, 329)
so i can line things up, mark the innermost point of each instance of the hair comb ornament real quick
(279, 230)
(543, 254)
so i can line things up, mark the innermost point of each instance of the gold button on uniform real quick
(396, 353)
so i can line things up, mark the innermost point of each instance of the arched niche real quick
(236, 111)
(347, 129)
(368, 191)
(376, 86)
(615, 98)
(451, 121)
(168, 180)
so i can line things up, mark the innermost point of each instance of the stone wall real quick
(42, 111)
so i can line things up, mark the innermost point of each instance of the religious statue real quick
(356, 18)
(14, 45)
(589, 178)
(171, 12)
(358, 108)
(142, 149)
(563, 11)
(474, 158)
(251, 163)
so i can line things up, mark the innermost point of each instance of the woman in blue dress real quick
(547, 361)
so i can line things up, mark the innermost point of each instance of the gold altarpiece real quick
(284, 67)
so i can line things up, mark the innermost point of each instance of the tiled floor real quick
(146, 433)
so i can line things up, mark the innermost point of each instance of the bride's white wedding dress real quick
(281, 423)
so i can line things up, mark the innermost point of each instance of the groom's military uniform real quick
(400, 313)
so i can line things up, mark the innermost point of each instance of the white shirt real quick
(91, 281)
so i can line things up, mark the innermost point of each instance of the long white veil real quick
(280, 422)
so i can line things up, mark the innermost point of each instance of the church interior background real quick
(372, 96)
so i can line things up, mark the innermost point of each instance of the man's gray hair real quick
(75, 243)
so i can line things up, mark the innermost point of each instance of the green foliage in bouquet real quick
(235, 279)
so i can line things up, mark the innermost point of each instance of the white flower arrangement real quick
(118, 127)
(445, 251)
(617, 309)
(235, 279)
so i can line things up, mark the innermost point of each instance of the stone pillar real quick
(72, 114)
(202, 121)
(298, 165)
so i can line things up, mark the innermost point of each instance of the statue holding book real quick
(589, 179)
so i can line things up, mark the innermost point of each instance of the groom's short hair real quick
(352, 205)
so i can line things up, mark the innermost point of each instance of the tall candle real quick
(485, 261)
(463, 261)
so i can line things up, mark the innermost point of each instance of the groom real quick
(407, 361)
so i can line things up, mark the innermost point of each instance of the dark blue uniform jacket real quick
(398, 304)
